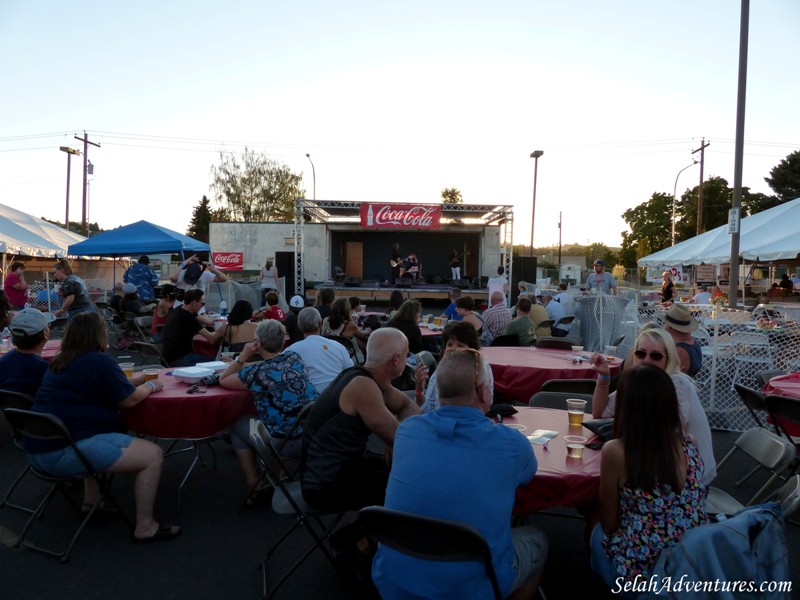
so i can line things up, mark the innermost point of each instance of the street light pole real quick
(313, 174)
(70, 152)
(535, 156)
(674, 191)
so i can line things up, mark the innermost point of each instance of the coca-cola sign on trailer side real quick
(228, 261)
(400, 216)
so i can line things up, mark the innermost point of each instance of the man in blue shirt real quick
(450, 312)
(456, 464)
(22, 369)
(143, 277)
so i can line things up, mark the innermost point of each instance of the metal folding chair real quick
(555, 342)
(571, 386)
(559, 400)
(11, 399)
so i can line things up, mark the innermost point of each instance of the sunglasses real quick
(642, 354)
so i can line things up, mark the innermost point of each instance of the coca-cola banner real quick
(401, 216)
(228, 261)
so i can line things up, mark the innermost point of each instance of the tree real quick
(201, 218)
(254, 188)
(651, 228)
(784, 177)
(451, 196)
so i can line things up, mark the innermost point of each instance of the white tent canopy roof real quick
(769, 236)
(23, 234)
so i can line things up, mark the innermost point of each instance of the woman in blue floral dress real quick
(651, 490)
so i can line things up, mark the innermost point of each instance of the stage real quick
(381, 293)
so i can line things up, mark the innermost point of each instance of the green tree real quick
(254, 188)
(452, 196)
(650, 228)
(201, 218)
(784, 177)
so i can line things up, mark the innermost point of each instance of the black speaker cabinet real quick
(352, 281)
(524, 269)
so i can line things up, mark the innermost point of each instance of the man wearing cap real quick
(554, 312)
(296, 304)
(196, 274)
(324, 358)
(497, 316)
(680, 324)
(703, 296)
(180, 328)
(22, 369)
(132, 303)
(600, 280)
(143, 277)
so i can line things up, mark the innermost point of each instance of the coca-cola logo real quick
(229, 260)
(416, 216)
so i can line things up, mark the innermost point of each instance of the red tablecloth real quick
(785, 385)
(519, 372)
(201, 345)
(173, 413)
(559, 480)
(51, 348)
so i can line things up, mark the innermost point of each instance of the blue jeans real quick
(602, 565)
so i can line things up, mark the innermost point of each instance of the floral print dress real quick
(652, 520)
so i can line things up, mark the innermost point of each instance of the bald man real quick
(337, 471)
(497, 316)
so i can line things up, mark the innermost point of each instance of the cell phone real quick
(426, 358)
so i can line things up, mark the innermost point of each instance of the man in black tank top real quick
(338, 473)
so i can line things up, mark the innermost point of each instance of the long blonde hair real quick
(663, 339)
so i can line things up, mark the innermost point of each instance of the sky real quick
(394, 101)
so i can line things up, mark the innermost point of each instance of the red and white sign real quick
(228, 261)
(400, 216)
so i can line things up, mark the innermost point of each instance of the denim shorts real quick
(530, 550)
(101, 450)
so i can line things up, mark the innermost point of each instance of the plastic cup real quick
(575, 411)
(443, 321)
(437, 321)
(575, 445)
(611, 350)
(150, 374)
(127, 368)
(231, 355)
(517, 426)
(577, 349)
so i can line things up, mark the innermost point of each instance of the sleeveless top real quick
(652, 520)
(327, 330)
(332, 437)
(695, 357)
(484, 334)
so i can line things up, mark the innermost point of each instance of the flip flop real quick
(162, 534)
(259, 497)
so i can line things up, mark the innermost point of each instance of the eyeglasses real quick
(642, 354)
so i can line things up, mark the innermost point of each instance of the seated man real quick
(497, 316)
(22, 369)
(522, 325)
(324, 358)
(180, 328)
(554, 312)
(456, 464)
(338, 473)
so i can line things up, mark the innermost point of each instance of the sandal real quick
(259, 497)
(163, 533)
(105, 507)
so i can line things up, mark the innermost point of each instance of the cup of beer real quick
(127, 368)
(437, 321)
(150, 374)
(575, 411)
(575, 445)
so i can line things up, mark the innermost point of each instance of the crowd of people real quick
(442, 457)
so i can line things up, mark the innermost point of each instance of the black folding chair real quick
(41, 426)
(150, 352)
(571, 386)
(754, 401)
(11, 399)
(511, 339)
(559, 400)
(555, 342)
(288, 500)
(427, 538)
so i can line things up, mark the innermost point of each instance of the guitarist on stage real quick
(396, 261)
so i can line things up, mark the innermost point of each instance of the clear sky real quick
(393, 100)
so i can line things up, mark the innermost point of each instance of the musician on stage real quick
(455, 264)
(412, 266)
(395, 262)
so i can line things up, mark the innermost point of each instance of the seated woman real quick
(396, 298)
(466, 309)
(651, 488)
(455, 336)
(85, 388)
(655, 347)
(281, 387)
(238, 331)
(163, 308)
(132, 303)
(340, 323)
(406, 319)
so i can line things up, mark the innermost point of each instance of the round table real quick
(559, 480)
(51, 348)
(789, 386)
(519, 372)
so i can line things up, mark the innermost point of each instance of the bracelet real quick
(237, 360)
(151, 385)
(605, 378)
(420, 395)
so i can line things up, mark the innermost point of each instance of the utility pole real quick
(559, 246)
(86, 142)
(702, 151)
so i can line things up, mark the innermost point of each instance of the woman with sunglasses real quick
(85, 388)
(650, 480)
(655, 347)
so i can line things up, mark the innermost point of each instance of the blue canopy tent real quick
(138, 238)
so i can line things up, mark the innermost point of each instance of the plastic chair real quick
(11, 399)
(149, 351)
(753, 400)
(771, 452)
(559, 400)
(563, 321)
(427, 538)
(143, 325)
(788, 496)
(554, 342)
(511, 339)
(571, 386)
(751, 354)
(288, 500)
(41, 426)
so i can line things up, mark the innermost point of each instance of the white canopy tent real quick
(769, 236)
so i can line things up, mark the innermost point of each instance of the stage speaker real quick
(352, 281)
(524, 269)
(462, 284)
(402, 282)
(284, 261)
(370, 283)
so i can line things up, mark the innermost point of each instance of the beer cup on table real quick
(575, 412)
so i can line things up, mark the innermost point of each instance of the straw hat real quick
(679, 319)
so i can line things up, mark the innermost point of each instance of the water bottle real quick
(223, 309)
(6, 343)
